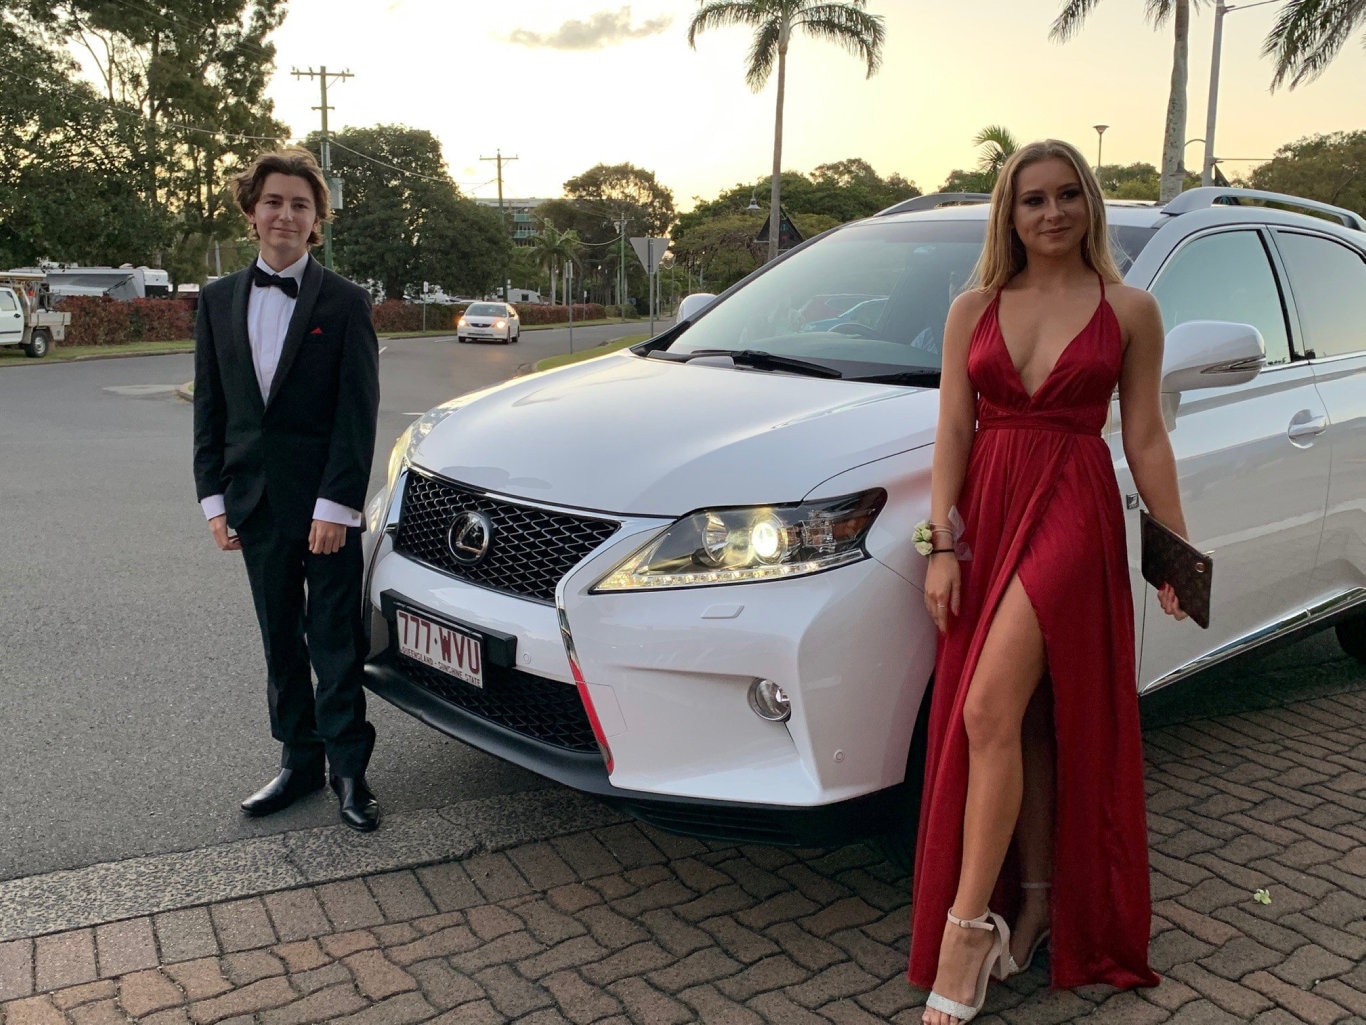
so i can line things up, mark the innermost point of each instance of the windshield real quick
(486, 310)
(869, 300)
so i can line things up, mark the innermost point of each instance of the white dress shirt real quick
(268, 314)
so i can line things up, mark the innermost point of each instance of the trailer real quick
(26, 314)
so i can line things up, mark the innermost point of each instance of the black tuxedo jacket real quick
(314, 435)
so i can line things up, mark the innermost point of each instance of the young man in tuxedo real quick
(285, 402)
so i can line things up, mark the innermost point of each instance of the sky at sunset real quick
(565, 86)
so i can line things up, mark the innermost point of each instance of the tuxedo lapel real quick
(241, 339)
(303, 313)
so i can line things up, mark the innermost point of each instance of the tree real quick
(960, 180)
(405, 221)
(1069, 22)
(194, 74)
(1308, 35)
(600, 206)
(554, 251)
(997, 145)
(845, 23)
(67, 161)
(1135, 181)
(1330, 168)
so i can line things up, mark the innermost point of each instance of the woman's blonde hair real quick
(1003, 254)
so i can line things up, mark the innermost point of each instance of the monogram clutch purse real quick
(1170, 559)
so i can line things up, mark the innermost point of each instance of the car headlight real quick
(745, 545)
(501, 324)
(400, 456)
(462, 322)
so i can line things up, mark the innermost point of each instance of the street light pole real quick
(1207, 166)
(1100, 136)
(1220, 9)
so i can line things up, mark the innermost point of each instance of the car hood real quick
(634, 436)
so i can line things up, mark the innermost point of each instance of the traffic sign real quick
(650, 251)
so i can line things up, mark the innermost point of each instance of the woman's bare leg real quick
(1034, 828)
(1007, 675)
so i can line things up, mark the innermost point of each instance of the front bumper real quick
(668, 673)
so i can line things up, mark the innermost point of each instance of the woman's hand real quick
(1171, 604)
(942, 585)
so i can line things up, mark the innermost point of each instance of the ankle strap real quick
(1035, 886)
(979, 922)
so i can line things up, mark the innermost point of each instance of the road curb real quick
(114, 891)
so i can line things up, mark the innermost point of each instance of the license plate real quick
(455, 652)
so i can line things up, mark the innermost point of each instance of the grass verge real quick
(14, 355)
(565, 358)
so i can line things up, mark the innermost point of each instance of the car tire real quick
(461, 339)
(517, 337)
(1352, 636)
(38, 343)
(898, 841)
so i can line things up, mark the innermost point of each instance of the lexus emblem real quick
(469, 537)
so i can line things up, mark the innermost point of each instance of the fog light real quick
(769, 702)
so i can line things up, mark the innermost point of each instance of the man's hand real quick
(326, 538)
(218, 527)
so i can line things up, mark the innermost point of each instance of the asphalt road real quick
(132, 688)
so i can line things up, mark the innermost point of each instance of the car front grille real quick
(531, 548)
(530, 705)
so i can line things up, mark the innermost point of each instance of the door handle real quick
(1304, 425)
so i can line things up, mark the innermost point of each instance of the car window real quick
(487, 310)
(7, 301)
(1225, 276)
(1328, 280)
(869, 299)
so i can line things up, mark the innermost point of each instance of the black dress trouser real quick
(309, 608)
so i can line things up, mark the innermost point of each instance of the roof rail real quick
(1208, 196)
(936, 200)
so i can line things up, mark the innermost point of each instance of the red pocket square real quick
(316, 331)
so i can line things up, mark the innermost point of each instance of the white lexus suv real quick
(681, 576)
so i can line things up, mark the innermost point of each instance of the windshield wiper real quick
(925, 375)
(764, 361)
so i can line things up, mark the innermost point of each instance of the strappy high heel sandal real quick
(1010, 967)
(995, 962)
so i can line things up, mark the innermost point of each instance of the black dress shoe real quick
(283, 791)
(359, 809)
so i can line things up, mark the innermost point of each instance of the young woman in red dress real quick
(1034, 728)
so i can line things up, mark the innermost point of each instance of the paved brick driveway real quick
(626, 925)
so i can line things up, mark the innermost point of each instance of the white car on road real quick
(681, 576)
(488, 322)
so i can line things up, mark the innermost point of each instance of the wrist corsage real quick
(932, 538)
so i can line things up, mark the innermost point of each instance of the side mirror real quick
(1211, 354)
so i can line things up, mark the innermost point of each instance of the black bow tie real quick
(263, 279)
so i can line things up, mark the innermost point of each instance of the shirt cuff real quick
(213, 506)
(334, 512)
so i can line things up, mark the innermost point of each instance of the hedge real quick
(99, 320)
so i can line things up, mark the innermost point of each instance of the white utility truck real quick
(26, 315)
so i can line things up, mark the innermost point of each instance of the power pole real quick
(324, 146)
(498, 156)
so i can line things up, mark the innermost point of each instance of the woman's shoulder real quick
(972, 303)
(1129, 302)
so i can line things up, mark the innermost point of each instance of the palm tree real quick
(553, 251)
(1069, 22)
(1308, 34)
(998, 144)
(846, 23)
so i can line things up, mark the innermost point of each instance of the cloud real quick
(605, 28)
